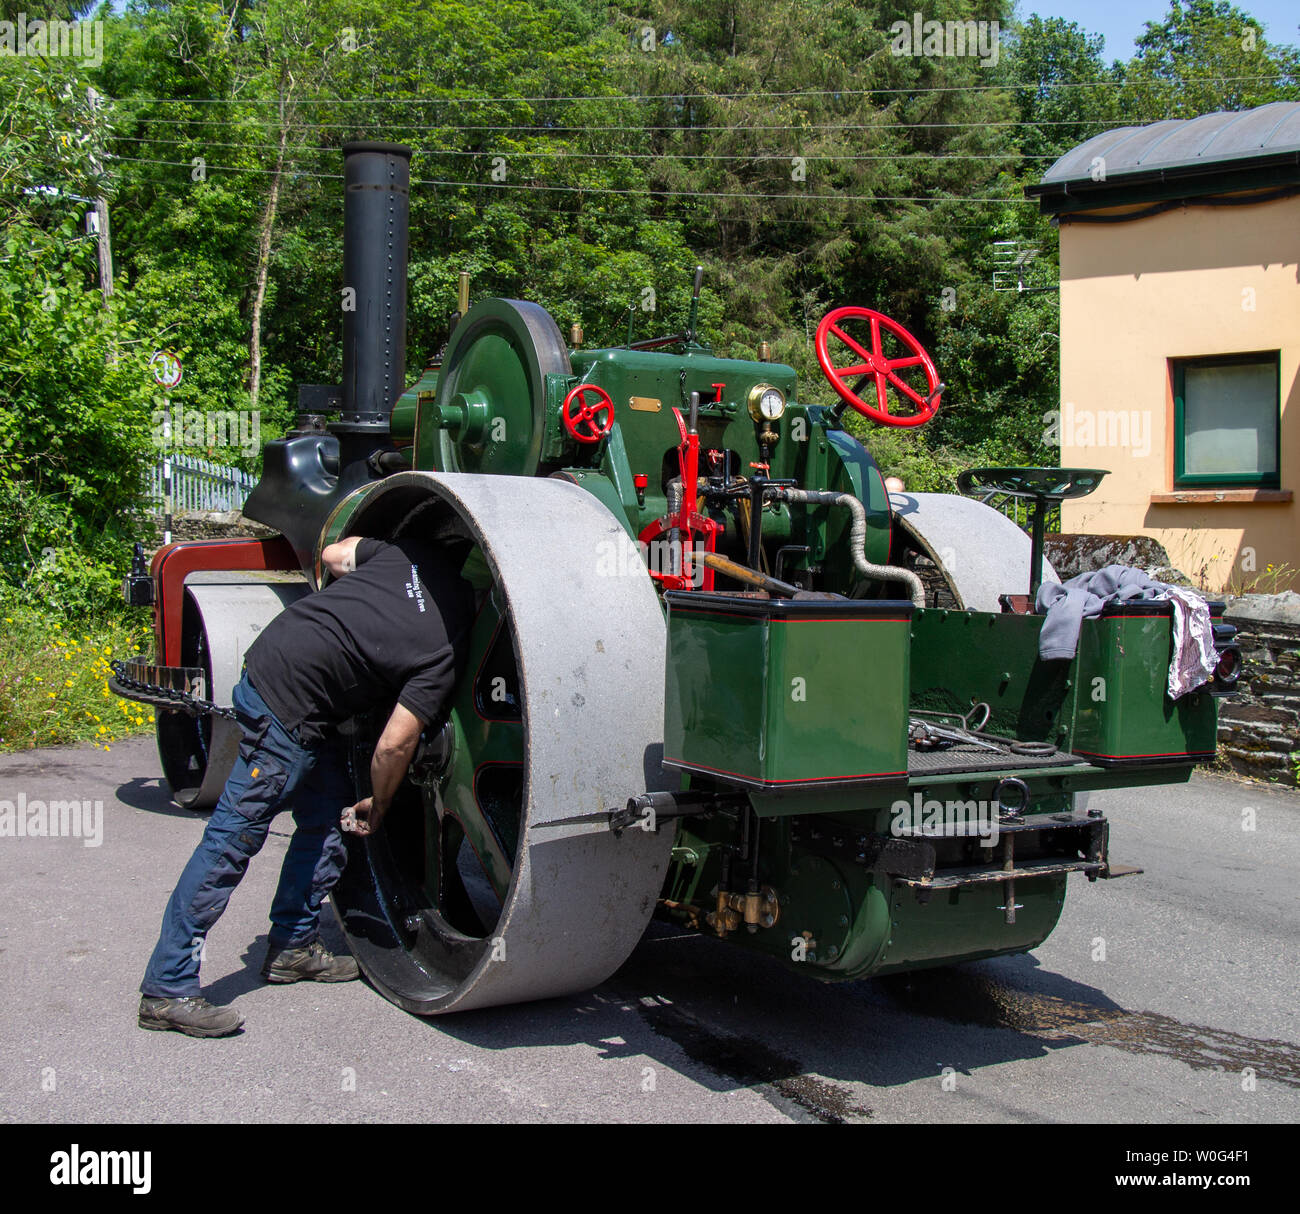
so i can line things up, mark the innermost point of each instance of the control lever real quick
(752, 577)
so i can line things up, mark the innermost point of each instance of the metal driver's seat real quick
(1042, 486)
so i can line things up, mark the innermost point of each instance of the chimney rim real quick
(388, 149)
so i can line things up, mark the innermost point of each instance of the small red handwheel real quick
(586, 425)
(871, 362)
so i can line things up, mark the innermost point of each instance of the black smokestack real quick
(376, 222)
(307, 473)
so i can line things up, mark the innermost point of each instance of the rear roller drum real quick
(220, 620)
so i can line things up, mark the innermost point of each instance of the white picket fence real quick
(198, 484)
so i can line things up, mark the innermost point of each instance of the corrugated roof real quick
(1182, 143)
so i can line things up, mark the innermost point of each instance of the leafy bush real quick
(54, 680)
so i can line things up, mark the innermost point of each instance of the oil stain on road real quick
(977, 999)
(752, 1064)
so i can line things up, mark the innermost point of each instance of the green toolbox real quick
(782, 693)
(1123, 713)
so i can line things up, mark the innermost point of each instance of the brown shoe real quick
(192, 1015)
(312, 961)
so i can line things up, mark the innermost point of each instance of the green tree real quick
(1206, 55)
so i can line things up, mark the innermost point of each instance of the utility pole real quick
(101, 217)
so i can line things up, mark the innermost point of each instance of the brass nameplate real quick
(645, 404)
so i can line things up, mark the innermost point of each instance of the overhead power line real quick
(552, 155)
(886, 124)
(578, 189)
(1008, 86)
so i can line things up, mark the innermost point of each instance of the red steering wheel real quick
(586, 425)
(871, 362)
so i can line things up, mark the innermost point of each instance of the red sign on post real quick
(166, 368)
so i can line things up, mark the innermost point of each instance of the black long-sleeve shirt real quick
(393, 628)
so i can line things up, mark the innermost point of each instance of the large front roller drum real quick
(589, 645)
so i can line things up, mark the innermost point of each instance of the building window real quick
(1226, 412)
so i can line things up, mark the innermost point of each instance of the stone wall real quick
(1259, 727)
(1073, 554)
(205, 525)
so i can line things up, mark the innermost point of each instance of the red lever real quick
(717, 400)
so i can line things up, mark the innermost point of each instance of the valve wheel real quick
(586, 424)
(875, 364)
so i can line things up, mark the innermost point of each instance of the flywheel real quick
(491, 399)
(495, 878)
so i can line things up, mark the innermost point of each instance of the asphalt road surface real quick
(1195, 995)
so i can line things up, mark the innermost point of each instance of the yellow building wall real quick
(1186, 283)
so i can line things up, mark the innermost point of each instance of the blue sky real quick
(1121, 21)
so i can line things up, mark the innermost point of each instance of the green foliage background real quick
(778, 142)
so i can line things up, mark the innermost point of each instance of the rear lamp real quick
(1228, 668)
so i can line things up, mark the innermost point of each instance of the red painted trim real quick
(172, 564)
(722, 771)
(1161, 754)
(865, 619)
(739, 616)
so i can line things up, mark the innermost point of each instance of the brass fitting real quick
(755, 910)
(575, 336)
(692, 912)
(762, 909)
(726, 918)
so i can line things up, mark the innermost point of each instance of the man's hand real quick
(393, 753)
(362, 818)
(341, 558)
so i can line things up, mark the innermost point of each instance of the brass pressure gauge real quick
(766, 403)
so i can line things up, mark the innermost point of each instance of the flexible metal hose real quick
(858, 538)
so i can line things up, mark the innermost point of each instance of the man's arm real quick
(341, 557)
(393, 754)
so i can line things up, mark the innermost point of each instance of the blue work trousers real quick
(273, 772)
